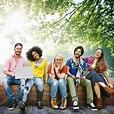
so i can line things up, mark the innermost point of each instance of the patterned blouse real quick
(89, 60)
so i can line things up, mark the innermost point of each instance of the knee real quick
(69, 79)
(39, 82)
(88, 82)
(93, 72)
(55, 83)
(61, 82)
(40, 88)
(22, 83)
(26, 89)
(5, 82)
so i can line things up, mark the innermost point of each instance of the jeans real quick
(84, 82)
(94, 77)
(29, 83)
(61, 83)
(7, 82)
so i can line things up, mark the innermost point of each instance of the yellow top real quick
(40, 70)
(93, 66)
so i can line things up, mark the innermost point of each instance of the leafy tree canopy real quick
(90, 21)
(58, 23)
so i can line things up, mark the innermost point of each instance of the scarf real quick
(79, 67)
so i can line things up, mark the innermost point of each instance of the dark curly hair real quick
(29, 53)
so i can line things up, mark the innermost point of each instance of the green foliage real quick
(89, 22)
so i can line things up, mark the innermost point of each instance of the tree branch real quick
(108, 30)
(93, 9)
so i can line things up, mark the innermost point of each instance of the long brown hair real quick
(101, 63)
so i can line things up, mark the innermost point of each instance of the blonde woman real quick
(56, 78)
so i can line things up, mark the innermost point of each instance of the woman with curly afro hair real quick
(34, 55)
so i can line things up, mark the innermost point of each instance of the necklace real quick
(37, 62)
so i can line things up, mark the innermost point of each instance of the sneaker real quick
(12, 105)
(75, 105)
(21, 106)
(40, 105)
(91, 106)
(63, 104)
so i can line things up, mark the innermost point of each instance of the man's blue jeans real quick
(7, 82)
(29, 83)
(61, 83)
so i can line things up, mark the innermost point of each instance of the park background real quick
(57, 26)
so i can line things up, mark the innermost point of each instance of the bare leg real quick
(98, 94)
(107, 89)
(97, 90)
(102, 84)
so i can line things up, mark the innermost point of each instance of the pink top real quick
(89, 60)
(10, 64)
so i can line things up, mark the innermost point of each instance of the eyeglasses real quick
(58, 59)
(99, 52)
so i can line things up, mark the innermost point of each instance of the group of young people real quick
(90, 72)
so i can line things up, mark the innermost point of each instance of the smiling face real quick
(58, 60)
(77, 53)
(98, 53)
(35, 55)
(18, 50)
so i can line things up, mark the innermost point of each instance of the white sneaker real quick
(75, 105)
(91, 106)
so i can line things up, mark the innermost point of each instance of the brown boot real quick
(99, 103)
(109, 90)
(63, 104)
(54, 103)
